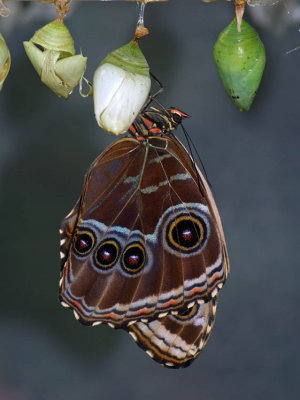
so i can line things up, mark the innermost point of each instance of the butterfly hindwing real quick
(176, 340)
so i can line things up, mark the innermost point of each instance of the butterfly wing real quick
(176, 340)
(144, 239)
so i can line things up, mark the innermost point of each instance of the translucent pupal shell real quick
(55, 36)
(57, 65)
(5, 61)
(240, 59)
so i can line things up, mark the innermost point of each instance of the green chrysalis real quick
(240, 59)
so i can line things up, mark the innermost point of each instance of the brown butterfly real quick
(144, 249)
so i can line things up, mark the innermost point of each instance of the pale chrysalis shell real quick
(57, 65)
(5, 61)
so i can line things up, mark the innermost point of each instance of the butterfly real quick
(144, 249)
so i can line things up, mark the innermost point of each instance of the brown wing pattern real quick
(143, 239)
(176, 340)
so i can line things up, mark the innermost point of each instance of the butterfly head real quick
(177, 116)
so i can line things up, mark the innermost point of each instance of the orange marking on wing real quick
(216, 276)
(170, 303)
(195, 290)
(76, 304)
(69, 234)
(111, 315)
(142, 311)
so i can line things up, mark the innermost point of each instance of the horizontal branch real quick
(141, 1)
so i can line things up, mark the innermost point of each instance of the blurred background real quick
(253, 163)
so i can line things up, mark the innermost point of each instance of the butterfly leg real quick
(153, 96)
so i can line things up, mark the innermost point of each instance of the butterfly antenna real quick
(192, 146)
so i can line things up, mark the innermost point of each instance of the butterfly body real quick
(144, 249)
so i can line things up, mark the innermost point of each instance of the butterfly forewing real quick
(145, 237)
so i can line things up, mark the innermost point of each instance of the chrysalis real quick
(240, 59)
(121, 87)
(57, 64)
(4, 61)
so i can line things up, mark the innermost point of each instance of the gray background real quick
(253, 163)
